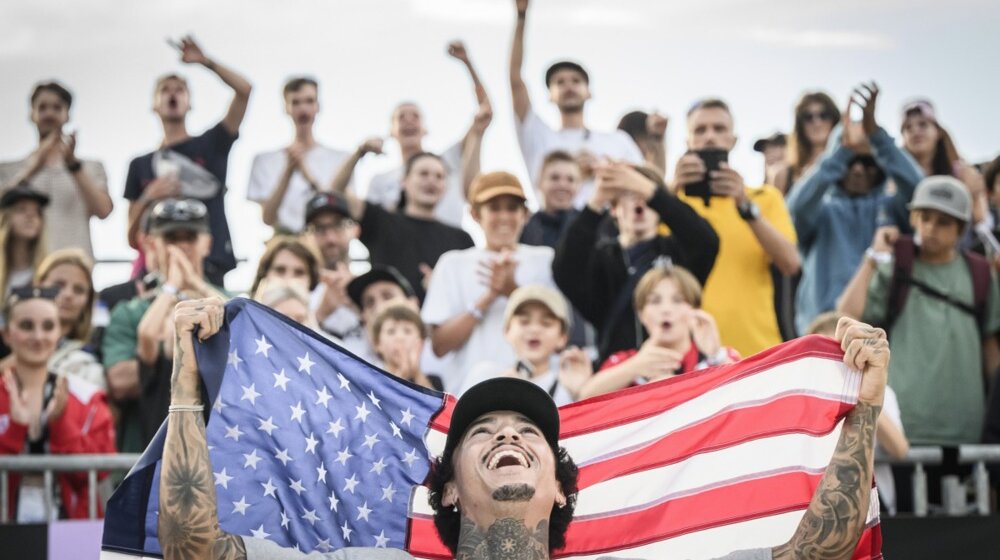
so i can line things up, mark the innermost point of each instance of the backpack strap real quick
(979, 270)
(899, 287)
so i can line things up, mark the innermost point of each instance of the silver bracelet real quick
(186, 408)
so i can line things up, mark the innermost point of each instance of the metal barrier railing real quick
(953, 493)
(48, 464)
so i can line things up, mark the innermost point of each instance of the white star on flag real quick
(347, 532)
(324, 546)
(251, 459)
(333, 501)
(267, 425)
(350, 483)
(305, 364)
(296, 486)
(381, 541)
(241, 506)
(378, 466)
(250, 394)
(363, 512)
(297, 412)
(281, 380)
(234, 359)
(270, 488)
(282, 455)
(388, 492)
(233, 433)
(410, 458)
(262, 346)
(363, 412)
(370, 441)
(375, 400)
(322, 396)
(284, 520)
(311, 444)
(222, 479)
(407, 416)
(259, 533)
(395, 430)
(343, 456)
(336, 427)
(310, 516)
(344, 383)
(321, 473)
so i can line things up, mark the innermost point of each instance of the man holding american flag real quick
(503, 488)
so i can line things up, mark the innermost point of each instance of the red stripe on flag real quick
(635, 403)
(792, 414)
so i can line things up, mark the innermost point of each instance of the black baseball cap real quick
(24, 293)
(565, 65)
(378, 273)
(23, 192)
(504, 393)
(778, 139)
(327, 202)
(178, 214)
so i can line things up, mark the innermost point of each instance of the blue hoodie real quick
(834, 228)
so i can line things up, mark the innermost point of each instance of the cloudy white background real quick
(370, 54)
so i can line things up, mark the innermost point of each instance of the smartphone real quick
(712, 157)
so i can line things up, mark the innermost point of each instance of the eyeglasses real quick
(179, 210)
(808, 116)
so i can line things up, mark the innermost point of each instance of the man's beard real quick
(514, 493)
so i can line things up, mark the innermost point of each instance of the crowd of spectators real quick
(626, 275)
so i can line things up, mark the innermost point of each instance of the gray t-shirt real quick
(260, 549)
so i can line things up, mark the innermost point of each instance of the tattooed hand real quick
(866, 349)
(207, 314)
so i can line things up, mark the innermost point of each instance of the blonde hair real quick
(687, 285)
(79, 259)
(825, 323)
(39, 247)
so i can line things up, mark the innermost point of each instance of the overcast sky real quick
(370, 54)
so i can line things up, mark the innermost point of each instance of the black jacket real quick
(595, 276)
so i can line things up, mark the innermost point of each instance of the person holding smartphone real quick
(753, 225)
(77, 189)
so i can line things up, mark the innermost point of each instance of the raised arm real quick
(342, 177)
(473, 141)
(188, 521)
(191, 53)
(518, 90)
(838, 511)
(854, 298)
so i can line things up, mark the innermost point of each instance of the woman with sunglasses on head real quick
(837, 205)
(22, 240)
(45, 413)
(815, 116)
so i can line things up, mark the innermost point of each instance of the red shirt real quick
(693, 359)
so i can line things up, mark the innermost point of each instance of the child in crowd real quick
(288, 259)
(680, 336)
(398, 335)
(22, 237)
(536, 324)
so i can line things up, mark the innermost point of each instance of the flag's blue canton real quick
(312, 448)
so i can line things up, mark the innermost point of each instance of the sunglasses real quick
(179, 210)
(867, 161)
(809, 116)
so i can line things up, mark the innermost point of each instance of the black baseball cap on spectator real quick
(378, 273)
(23, 192)
(24, 293)
(565, 65)
(778, 138)
(327, 202)
(178, 214)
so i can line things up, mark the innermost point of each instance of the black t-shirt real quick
(210, 150)
(405, 242)
(545, 229)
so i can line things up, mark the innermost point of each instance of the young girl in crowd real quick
(42, 413)
(398, 335)
(22, 236)
(536, 324)
(289, 259)
(290, 299)
(815, 116)
(681, 337)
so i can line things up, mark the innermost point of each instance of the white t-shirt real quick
(549, 381)
(385, 188)
(455, 287)
(883, 471)
(322, 163)
(538, 139)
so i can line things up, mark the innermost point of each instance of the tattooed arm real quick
(836, 517)
(188, 523)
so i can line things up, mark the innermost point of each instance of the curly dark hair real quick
(448, 521)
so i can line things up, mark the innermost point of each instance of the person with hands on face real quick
(191, 166)
(469, 288)
(461, 159)
(599, 275)
(754, 229)
(681, 337)
(569, 89)
(838, 205)
(398, 335)
(136, 346)
(283, 181)
(536, 324)
(522, 507)
(77, 188)
(42, 413)
(648, 131)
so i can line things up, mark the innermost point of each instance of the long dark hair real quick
(945, 152)
(799, 148)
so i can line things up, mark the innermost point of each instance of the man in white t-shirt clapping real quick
(284, 180)
(407, 128)
(569, 88)
(468, 290)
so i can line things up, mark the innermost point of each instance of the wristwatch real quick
(878, 257)
(748, 210)
(74, 166)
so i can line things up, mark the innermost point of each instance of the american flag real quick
(317, 450)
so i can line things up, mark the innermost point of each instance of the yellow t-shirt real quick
(739, 292)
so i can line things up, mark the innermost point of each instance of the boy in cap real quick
(569, 88)
(536, 324)
(468, 291)
(330, 229)
(943, 311)
(503, 487)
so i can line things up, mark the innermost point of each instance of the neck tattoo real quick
(505, 539)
